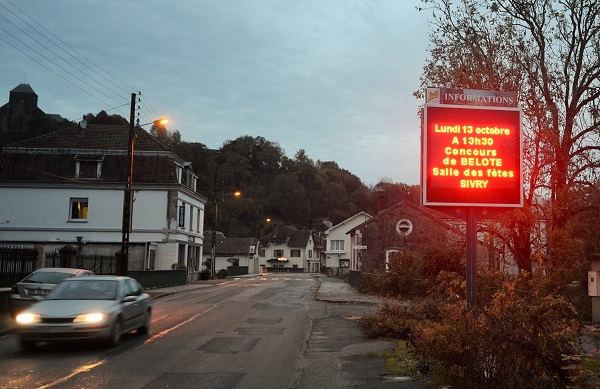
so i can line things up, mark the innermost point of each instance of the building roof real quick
(23, 88)
(362, 214)
(98, 137)
(230, 246)
(51, 157)
(435, 216)
(300, 238)
(289, 235)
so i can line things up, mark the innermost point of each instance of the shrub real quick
(390, 322)
(222, 273)
(513, 342)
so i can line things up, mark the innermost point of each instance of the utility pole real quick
(127, 197)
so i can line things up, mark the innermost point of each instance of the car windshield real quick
(47, 277)
(87, 289)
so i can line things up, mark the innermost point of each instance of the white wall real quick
(42, 215)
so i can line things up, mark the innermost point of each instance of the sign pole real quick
(471, 257)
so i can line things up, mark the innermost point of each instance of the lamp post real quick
(213, 252)
(127, 197)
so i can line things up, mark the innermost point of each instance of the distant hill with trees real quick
(297, 191)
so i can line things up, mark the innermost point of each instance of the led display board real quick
(472, 156)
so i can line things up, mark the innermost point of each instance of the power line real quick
(51, 51)
(95, 71)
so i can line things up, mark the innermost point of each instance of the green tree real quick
(171, 139)
(104, 118)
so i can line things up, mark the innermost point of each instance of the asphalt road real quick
(262, 332)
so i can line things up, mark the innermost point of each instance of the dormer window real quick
(87, 166)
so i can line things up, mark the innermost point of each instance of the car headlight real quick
(26, 318)
(89, 318)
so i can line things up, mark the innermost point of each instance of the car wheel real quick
(115, 335)
(145, 328)
(27, 344)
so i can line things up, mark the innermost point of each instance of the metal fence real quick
(15, 264)
(99, 264)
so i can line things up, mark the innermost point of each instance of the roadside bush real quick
(222, 273)
(520, 335)
(512, 342)
(390, 322)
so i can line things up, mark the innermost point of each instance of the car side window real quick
(132, 288)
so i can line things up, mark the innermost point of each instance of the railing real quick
(16, 264)
(99, 264)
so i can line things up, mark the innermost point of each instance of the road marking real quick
(162, 333)
(82, 369)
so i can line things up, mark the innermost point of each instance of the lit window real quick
(79, 209)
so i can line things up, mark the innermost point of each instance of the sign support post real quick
(471, 257)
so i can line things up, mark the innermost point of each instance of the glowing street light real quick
(213, 255)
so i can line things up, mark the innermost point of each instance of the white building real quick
(338, 248)
(67, 188)
(288, 249)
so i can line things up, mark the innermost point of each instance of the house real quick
(236, 255)
(288, 249)
(406, 227)
(66, 188)
(337, 251)
(21, 113)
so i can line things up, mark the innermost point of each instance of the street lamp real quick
(127, 197)
(213, 253)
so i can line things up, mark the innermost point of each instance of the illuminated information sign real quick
(472, 156)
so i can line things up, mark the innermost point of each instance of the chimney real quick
(382, 204)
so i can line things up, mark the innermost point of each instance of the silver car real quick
(38, 284)
(86, 308)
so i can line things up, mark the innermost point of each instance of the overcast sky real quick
(332, 77)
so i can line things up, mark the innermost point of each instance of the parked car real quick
(38, 284)
(86, 308)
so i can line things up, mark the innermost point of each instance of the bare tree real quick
(548, 51)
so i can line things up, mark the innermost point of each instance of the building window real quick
(278, 253)
(88, 166)
(337, 245)
(191, 217)
(295, 253)
(178, 171)
(152, 258)
(79, 209)
(310, 253)
(261, 252)
(198, 218)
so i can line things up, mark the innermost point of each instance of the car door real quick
(133, 311)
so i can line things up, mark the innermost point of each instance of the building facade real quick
(67, 188)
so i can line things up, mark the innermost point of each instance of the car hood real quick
(71, 308)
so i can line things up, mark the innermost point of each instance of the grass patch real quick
(400, 361)
(591, 366)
